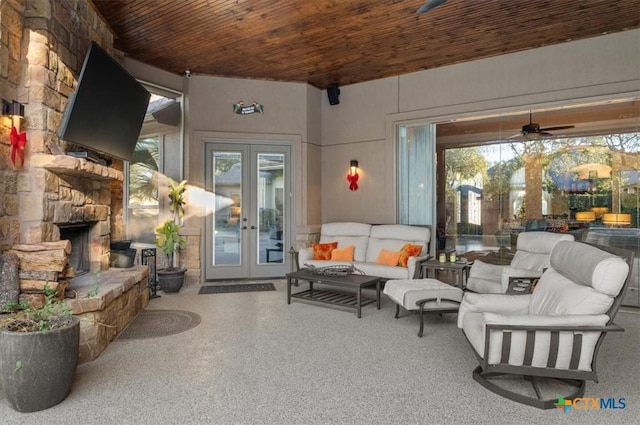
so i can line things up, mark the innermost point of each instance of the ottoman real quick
(423, 295)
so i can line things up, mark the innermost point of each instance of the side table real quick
(460, 268)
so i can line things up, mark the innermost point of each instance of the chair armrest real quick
(509, 272)
(486, 270)
(562, 342)
(495, 303)
(540, 322)
(414, 265)
(521, 285)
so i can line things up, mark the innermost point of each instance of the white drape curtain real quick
(416, 174)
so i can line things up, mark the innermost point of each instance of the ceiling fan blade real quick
(430, 5)
(560, 127)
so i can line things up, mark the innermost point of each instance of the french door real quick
(248, 230)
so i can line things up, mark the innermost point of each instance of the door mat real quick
(157, 323)
(243, 287)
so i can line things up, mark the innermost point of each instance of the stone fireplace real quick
(77, 204)
(51, 197)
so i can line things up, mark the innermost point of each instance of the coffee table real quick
(325, 296)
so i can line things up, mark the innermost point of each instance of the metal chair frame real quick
(573, 377)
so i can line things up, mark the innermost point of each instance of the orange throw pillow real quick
(343, 254)
(408, 250)
(322, 251)
(388, 258)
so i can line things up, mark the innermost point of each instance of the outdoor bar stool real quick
(423, 295)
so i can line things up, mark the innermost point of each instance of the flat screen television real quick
(106, 111)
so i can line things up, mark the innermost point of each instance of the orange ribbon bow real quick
(18, 142)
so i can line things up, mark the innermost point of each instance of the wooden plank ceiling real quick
(346, 41)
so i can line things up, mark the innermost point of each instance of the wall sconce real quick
(12, 109)
(352, 175)
(616, 219)
(15, 110)
(585, 216)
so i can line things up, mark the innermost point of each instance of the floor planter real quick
(37, 368)
(171, 280)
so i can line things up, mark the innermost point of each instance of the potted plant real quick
(168, 239)
(176, 199)
(38, 353)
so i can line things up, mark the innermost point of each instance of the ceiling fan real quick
(430, 5)
(534, 128)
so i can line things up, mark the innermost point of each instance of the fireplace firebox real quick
(79, 235)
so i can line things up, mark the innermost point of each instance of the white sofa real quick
(368, 240)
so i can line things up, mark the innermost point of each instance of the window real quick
(143, 206)
(160, 137)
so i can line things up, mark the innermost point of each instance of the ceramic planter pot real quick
(171, 280)
(37, 368)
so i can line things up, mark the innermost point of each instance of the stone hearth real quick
(121, 294)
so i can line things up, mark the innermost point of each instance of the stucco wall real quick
(291, 114)
(362, 126)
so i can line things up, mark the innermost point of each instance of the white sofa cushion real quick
(345, 229)
(486, 270)
(533, 248)
(588, 265)
(388, 272)
(348, 233)
(496, 303)
(393, 237)
(485, 278)
(407, 292)
(582, 280)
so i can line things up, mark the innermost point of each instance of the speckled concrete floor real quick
(256, 360)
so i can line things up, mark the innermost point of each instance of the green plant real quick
(168, 239)
(55, 313)
(176, 197)
(167, 234)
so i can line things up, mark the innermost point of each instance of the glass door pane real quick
(226, 220)
(270, 191)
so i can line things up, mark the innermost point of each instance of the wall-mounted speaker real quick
(333, 92)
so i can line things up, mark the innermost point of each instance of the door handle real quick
(253, 227)
(244, 227)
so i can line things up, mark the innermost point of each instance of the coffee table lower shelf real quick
(341, 299)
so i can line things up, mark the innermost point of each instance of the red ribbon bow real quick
(18, 142)
(353, 179)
